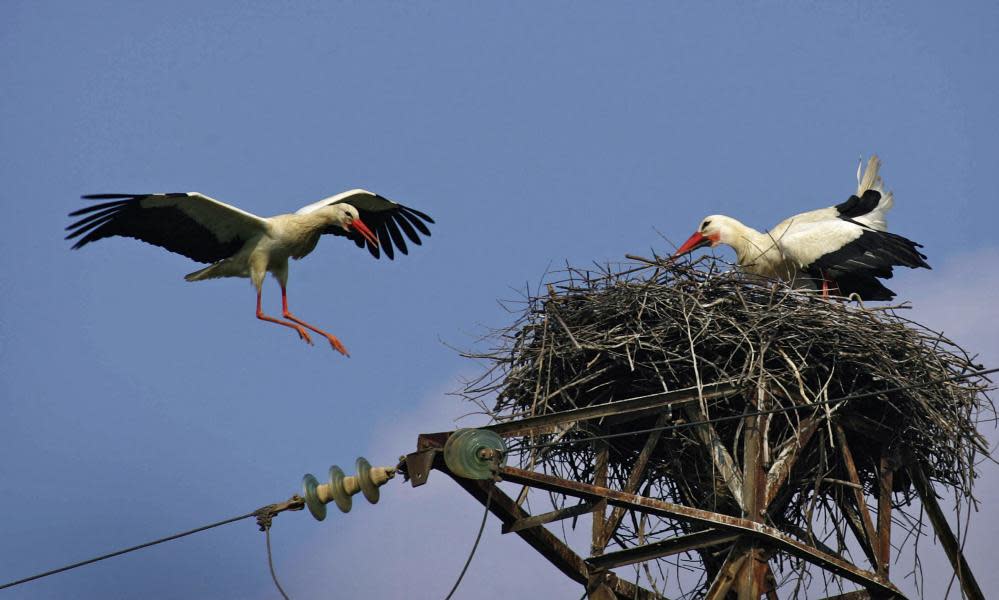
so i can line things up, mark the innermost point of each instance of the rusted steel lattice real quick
(729, 438)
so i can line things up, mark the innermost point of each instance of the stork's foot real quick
(329, 336)
(337, 345)
(304, 335)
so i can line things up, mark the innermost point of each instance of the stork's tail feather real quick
(870, 179)
(200, 274)
(215, 271)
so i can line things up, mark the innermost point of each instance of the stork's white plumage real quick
(241, 244)
(845, 247)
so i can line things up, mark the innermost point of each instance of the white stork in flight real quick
(241, 244)
(844, 247)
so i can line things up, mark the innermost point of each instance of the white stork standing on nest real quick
(843, 247)
(241, 244)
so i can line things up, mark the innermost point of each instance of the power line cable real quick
(263, 514)
(127, 550)
(759, 413)
(482, 526)
(264, 520)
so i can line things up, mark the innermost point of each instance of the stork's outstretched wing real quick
(187, 223)
(387, 219)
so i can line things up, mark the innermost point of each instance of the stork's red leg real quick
(828, 285)
(301, 332)
(287, 314)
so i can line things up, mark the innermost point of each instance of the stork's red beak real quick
(363, 230)
(696, 241)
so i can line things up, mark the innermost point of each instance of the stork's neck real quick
(315, 221)
(750, 245)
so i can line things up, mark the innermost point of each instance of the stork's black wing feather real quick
(867, 287)
(388, 220)
(856, 265)
(855, 206)
(190, 224)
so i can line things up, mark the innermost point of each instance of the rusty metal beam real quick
(549, 517)
(634, 479)
(856, 525)
(429, 446)
(602, 456)
(947, 539)
(598, 589)
(539, 538)
(886, 472)
(871, 542)
(726, 575)
(806, 537)
(854, 595)
(662, 549)
(633, 406)
(751, 578)
(605, 585)
(674, 511)
(547, 544)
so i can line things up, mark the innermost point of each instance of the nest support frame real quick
(748, 543)
(824, 421)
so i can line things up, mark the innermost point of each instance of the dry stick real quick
(565, 327)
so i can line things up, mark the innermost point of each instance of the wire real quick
(270, 561)
(760, 413)
(127, 550)
(482, 526)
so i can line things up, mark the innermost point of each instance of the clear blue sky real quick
(135, 404)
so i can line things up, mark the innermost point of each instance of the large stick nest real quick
(596, 337)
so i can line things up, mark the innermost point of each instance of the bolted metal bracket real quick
(418, 466)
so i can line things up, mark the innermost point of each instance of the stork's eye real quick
(705, 225)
